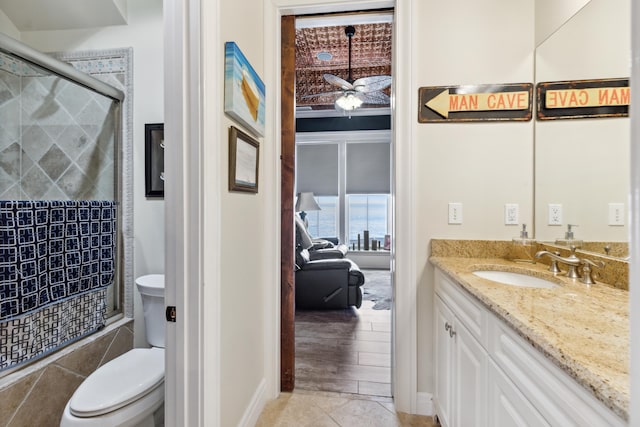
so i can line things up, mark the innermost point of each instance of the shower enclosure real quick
(60, 193)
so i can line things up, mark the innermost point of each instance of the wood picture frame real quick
(154, 159)
(244, 161)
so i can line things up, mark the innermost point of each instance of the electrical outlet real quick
(555, 214)
(455, 213)
(511, 212)
(616, 214)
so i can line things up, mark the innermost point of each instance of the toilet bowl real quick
(129, 389)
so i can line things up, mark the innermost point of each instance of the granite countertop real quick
(582, 329)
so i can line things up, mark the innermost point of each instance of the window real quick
(350, 175)
(368, 212)
(324, 223)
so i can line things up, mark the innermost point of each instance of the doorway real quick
(315, 329)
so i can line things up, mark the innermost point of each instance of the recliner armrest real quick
(338, 252)
(321, 244)
(329, 264)
(333, 240)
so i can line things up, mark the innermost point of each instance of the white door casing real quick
(191, 236)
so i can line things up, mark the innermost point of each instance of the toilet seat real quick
(119, 382)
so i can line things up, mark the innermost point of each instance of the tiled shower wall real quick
(56, 137)
(39, 398)
(58, 142)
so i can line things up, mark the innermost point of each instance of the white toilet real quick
(129, 389)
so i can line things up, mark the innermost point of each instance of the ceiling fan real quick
(365, 90)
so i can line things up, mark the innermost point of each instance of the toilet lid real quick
(119, 382)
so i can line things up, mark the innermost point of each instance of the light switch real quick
(616, 214)
(455, 213)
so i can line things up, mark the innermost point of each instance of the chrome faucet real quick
(573, 262)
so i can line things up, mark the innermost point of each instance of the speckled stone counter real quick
(582, 329)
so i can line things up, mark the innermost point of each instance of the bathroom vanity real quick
(510, 355)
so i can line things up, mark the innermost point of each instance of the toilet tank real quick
(151, 288)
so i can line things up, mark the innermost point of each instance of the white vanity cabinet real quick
(507, 406)
(461, 374)
(487, 375)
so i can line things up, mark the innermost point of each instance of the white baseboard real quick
(255, 407)
(424, 403)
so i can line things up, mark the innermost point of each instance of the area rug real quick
(377, 288)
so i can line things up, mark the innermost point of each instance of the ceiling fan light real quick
(348, 102)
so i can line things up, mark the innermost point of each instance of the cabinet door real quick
(470, 375)
(507, 405)
(443, 362)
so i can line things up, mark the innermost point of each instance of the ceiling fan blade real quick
(372, 83)
(337, 81)
(377, 97)
(315, 95)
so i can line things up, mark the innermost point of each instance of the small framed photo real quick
(244, 157)
(154, 159)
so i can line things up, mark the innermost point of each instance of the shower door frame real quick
(61, 69)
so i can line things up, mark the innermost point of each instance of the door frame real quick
(403, 260)
(192, 217)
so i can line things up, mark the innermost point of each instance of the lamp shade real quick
(306, 202)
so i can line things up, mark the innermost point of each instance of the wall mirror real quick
(583, 164)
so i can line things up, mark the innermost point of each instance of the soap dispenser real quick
(523, 247)
(568, 238)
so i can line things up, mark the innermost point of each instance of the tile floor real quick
(325, 409)
(346, 351)
(343, 373)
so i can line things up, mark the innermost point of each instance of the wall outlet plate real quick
(616, 214)
(555, 214)
(511, 214)
(455, 213)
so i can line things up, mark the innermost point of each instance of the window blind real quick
(368, 168)
(317, 169)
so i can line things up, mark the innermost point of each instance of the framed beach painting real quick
(244, 93)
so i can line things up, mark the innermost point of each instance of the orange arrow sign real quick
(587, 97)
(445, 103)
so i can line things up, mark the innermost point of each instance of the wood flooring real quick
(344, 351)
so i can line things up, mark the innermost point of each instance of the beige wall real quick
(244, 247)
(583, 164)
(550, 14)
(7, 27)
(144, 34)
(481, 165)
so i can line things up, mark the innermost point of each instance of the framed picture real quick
(154, 159)
(244, 94)
(244, 157)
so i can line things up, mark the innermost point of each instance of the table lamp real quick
(306, 202)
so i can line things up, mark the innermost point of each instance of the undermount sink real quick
(515, 279)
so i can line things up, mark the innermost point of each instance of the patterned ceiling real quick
(370, 55)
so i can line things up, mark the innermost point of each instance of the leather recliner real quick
(318, 248)
(327, 283)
